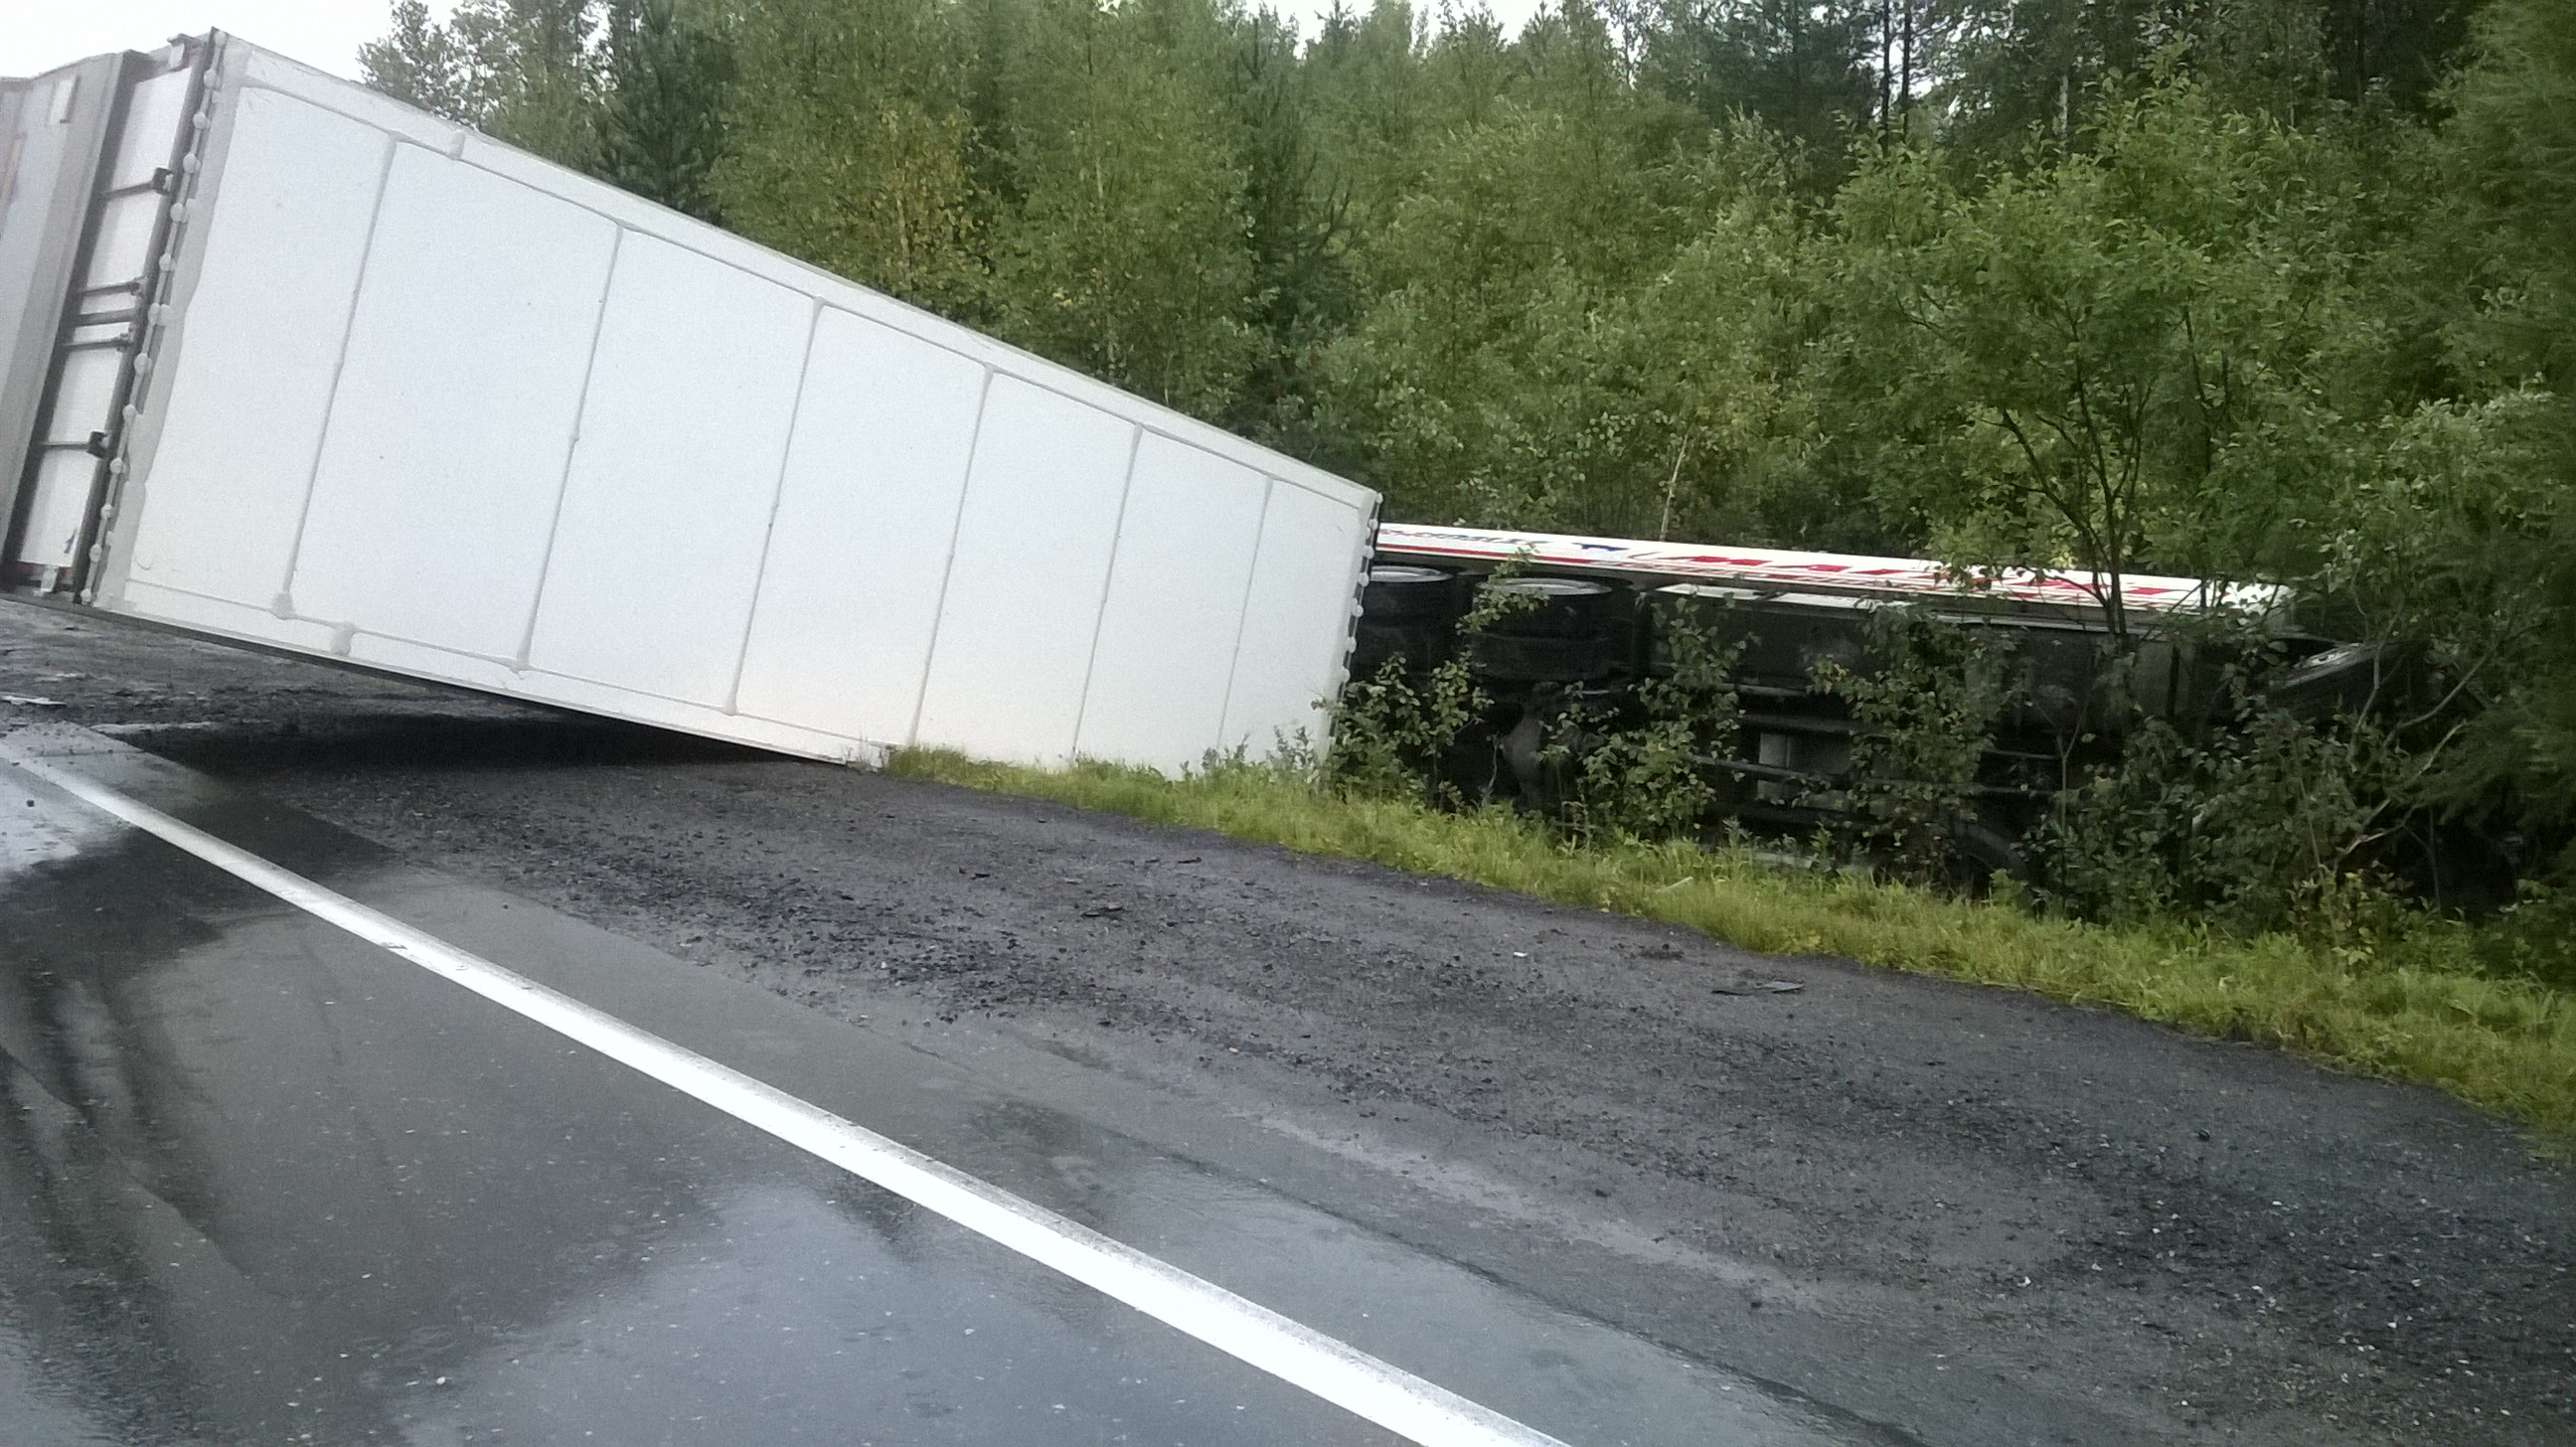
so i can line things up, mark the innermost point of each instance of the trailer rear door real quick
(104, 147)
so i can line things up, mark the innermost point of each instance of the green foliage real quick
(1649, 776)
(525, 71)
(669, 81)
(1297, 219)
(2085, 363)
(2534, 938)
(1927, 701)
(2510, 154)
(852, 146)
(2501, 457)
(1393, 732)
(2266, 826)
(1128, 256)
(422, 63)
(1397, 734)
(1807, 71)
(1578, 329)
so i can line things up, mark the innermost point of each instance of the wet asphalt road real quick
(262, 1182)
(1928, 1213)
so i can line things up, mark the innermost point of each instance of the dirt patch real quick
(1964, 1211)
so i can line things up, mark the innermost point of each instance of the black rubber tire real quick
(1423, 647)
(1565, 608)
(1399, 593)
(1575, 631)
(1407, 613)
(1546, 660)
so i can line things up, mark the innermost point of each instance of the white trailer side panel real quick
(665, 510)
(849, 591)
(442, 458)
(434, 406)
(1027, 572)
(1166, 656)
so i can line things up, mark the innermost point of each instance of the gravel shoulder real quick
(1967, 1215)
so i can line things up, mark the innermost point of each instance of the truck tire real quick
(1403, 593)
(1406, 613)
(1563, 630)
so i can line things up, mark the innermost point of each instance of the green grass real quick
(2419, 1013)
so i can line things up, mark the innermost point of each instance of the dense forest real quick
(2251, 289)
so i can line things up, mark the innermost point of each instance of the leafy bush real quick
(1393, 732)
(1647, 775)
(1927, 710)
(2261, 827)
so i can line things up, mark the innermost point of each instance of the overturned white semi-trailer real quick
(289, 363)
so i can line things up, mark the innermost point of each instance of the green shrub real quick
(1646, 772)
(1927, 709)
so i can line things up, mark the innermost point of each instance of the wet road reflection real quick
(437, 1229)
(261, 1182)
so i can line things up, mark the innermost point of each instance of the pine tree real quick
(661, 126)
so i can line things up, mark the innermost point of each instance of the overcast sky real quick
(37, 35)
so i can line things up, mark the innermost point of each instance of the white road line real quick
(1343, 1375)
